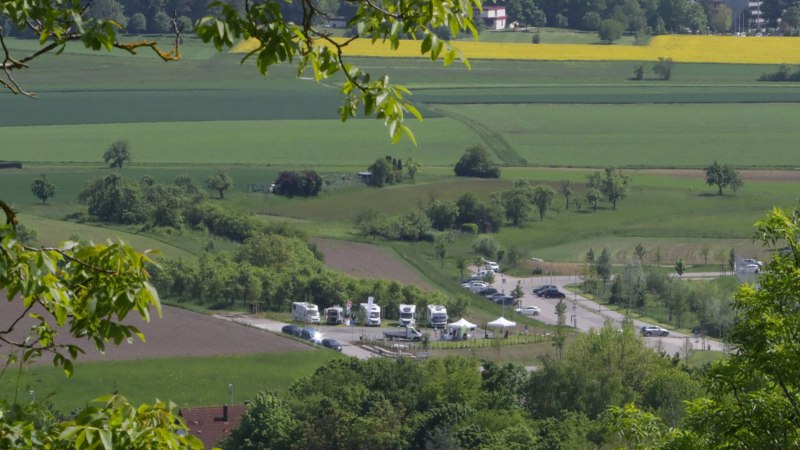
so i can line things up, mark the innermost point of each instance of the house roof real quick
(211, 424)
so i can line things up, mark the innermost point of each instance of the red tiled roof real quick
(210, 423)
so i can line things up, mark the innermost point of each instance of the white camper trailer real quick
(305, 312)
(437, 316)
(407, 315)
(371, 313)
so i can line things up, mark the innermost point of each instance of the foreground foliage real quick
(89, 290)
(752, 397)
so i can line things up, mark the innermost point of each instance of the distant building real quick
(494, 17)
(212, 424)
(747, 15)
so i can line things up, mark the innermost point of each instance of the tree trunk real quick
(720, 189)
(221, 195)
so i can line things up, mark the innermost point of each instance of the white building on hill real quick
(494, 17)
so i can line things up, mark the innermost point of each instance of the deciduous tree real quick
(476, 162)
(220, 182)
(43, 188)
(614, 186)
(78, 288)
(542, 198)
(117, 154)
(723, 176)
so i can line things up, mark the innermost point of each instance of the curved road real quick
(585, 314)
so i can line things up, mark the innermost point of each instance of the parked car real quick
(497, 295)
(529, 310)
(552, 293)
(477, 287)
(332, 344)
(487, 291)
(543, 287)
(491, 265)
(651, 330)
(752, 261)
(294, 330)
(506, 300)
(310, 334)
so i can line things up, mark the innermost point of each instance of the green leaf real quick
(105, 438)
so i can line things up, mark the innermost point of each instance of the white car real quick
(529, 310)
(475, 286)
(491, 265)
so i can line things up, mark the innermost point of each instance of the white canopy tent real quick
(502, 322)
(461, 324)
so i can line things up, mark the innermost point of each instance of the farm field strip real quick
(672, 135)
(681, 48)
(276, 142)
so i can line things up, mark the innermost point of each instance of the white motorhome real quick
(371, 313)
(437, 316)
(305, 312)
(407, 313)
(334, 315)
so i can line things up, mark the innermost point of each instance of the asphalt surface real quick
(585, 314)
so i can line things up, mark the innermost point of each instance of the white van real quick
(491, 265)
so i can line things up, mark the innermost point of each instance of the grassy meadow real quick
(544, 121)
(185, 381)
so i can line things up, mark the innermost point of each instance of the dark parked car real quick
(332, 344)
(496, 296)
(294, 330)
(506, 300)
(487, 291)
(312, 335)
(552, 293)
(546, 287)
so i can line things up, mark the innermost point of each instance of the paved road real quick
(582, 313)
(345, 335)
(585, 314)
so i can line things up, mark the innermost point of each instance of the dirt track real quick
(178, 333)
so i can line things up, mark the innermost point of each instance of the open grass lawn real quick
(548, 36)
(185, 381)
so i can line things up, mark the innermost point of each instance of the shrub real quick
(610, 30)
(469, 228)
(663, 68)
(486, 246)
(305, 184)
(536, 38)
(475, 162)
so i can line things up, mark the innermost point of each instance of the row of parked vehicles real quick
(312, 335)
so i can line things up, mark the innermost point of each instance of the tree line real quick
(272, 271)
(706, 306)
(448, 403)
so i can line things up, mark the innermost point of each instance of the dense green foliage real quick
(449, 403)
(273, 271)
(751, 399)
(476, 162)
(88, 290)
(305, 184)
(706, 306)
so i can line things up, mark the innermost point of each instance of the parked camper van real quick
(305, 312)
(334, 315)
(407, 313)
(371, 313)
(437, 316)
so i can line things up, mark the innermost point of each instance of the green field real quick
(185, 381)
(544, 121)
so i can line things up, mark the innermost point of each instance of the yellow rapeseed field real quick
(681, 48)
